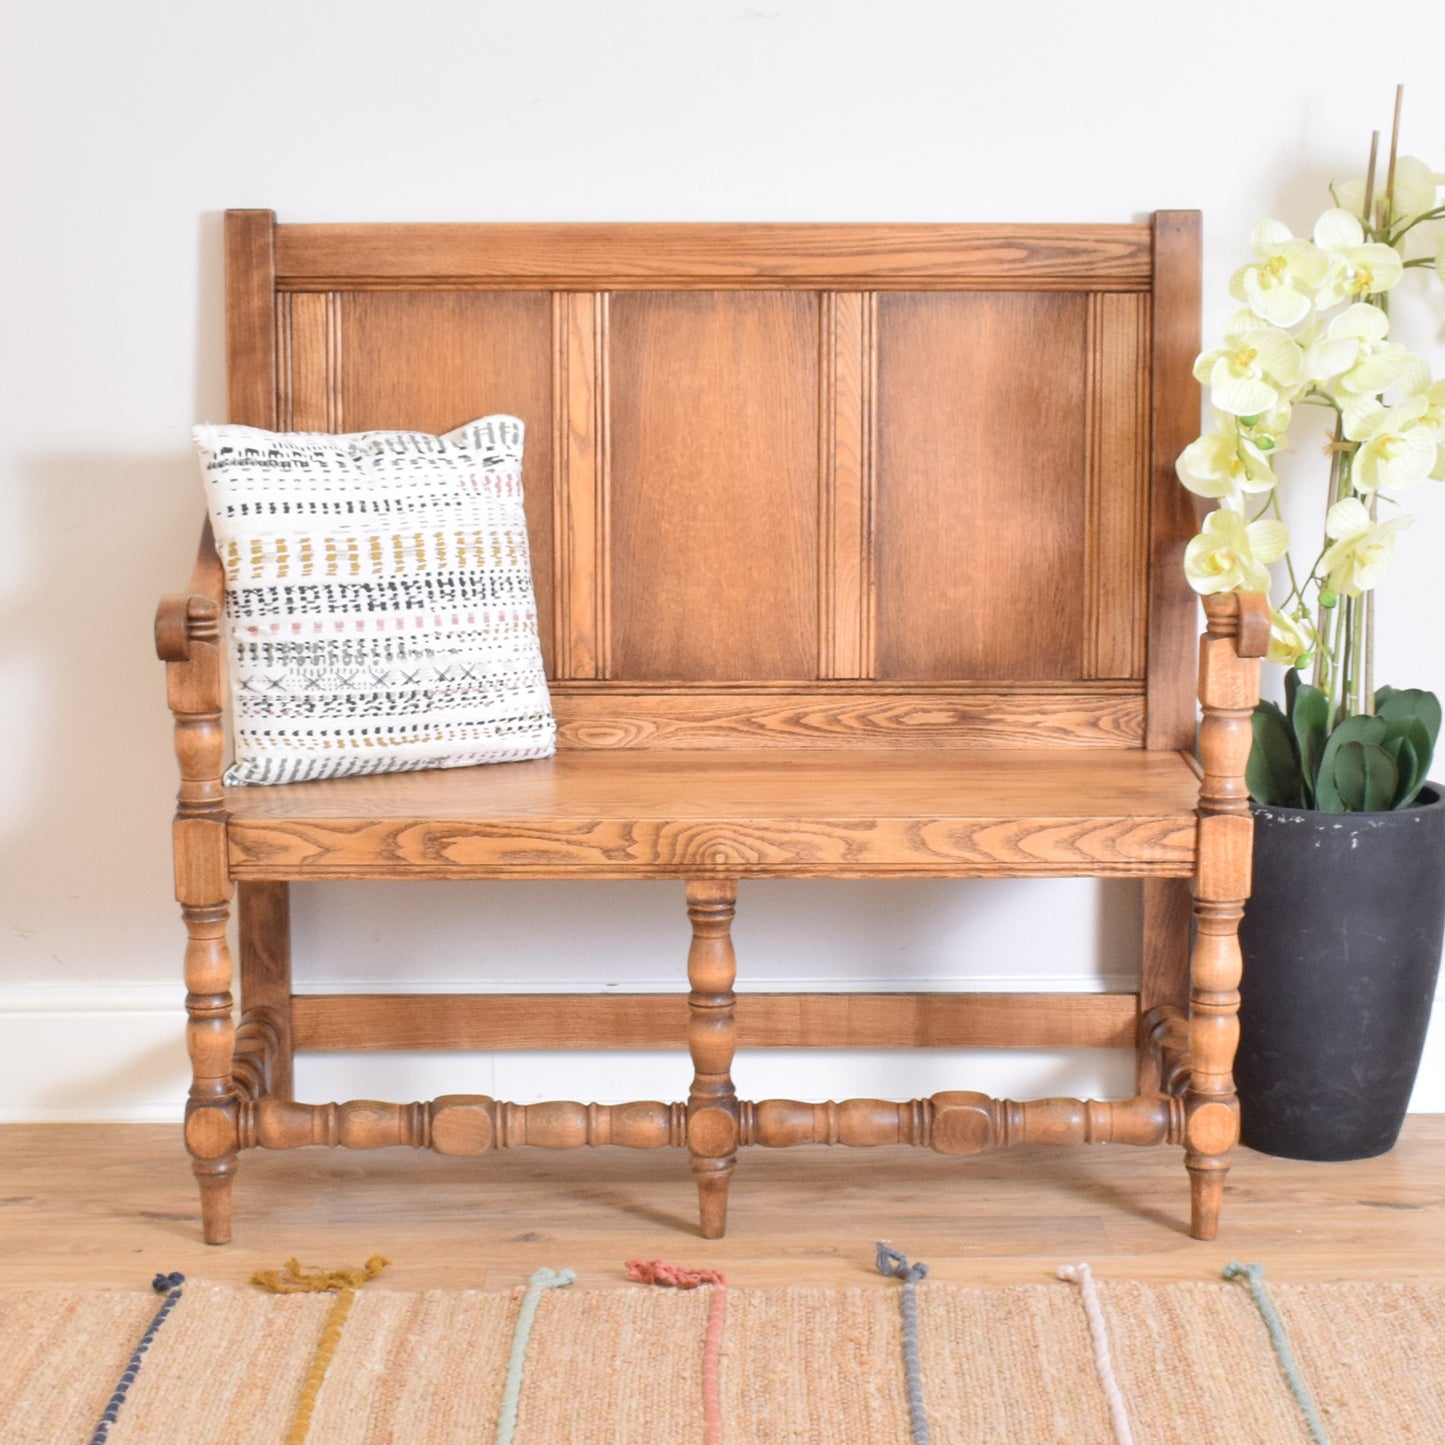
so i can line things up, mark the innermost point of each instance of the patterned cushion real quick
(379, 600)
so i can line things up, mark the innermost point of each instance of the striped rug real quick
(1118, 1362)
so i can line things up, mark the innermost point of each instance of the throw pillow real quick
(379, 600)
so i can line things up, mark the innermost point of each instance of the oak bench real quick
(857, 555)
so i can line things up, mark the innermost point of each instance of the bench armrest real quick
(188, 641)
(1243, 616)
(179, 615)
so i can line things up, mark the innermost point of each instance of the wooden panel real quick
(309, 361)
(810, 812)
(1173, 608)
(714, 486)
(251, 317)
(713, 257)
(1029, 715)
(1164, 962)
(1117, 552)
(264, 957)
(980, 509)
(580, 328)
(433, 361)
(341, 1022)
(846, 621)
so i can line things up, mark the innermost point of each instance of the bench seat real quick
(867, 812)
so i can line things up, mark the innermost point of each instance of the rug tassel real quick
(1253, 1276)
(542, 1279)
(658, 1272)
(170, 1286)
(890, 1262)
(1083, 1276)
(292, 1278)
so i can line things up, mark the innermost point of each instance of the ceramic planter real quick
(1342, 938)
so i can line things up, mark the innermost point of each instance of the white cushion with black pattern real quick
(379, 600)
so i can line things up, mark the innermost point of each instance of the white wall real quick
(128, 129)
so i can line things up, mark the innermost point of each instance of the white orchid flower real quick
(1357, 267)
(1230, 554)
(1333, 352)
(1440, 257)
(1415, 188)
(1291, 639)
(1361, 550)
(1279, 288)
(1377, 363)
(1256, 369)
(1433, 394)
(1398, 443)
(1225, 465)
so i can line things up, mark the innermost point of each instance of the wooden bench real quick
(857, 553)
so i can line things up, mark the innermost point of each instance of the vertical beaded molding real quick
(203, 889)
(1236, 635)
(712, 1104)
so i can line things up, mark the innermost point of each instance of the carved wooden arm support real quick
(1235, 638)
(180, 617)
(188, 642)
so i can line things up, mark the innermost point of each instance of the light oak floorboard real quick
(107, 1206)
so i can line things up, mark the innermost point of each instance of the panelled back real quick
(788, 485)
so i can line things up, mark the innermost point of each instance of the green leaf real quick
(1407, 766)
(1273, 773)
(1343, 791)
(1291, 687)
(1310, 717)
(1415, 742)
(1364, 777)
(1415, 702)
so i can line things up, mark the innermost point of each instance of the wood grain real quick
(308, 342)
(368, 1022)
(1173, 608)
(251, 317)
(263, 913)
(980, 504)
(580, 490)
(889, 715)
(1228, 693)
(714, 486)
(847, 621)
(633, 813)
(614, 257)
(999, 1218)
(1116, 546)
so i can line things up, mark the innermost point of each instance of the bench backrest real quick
(834, 485)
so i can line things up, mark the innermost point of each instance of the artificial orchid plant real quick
(1314, 332)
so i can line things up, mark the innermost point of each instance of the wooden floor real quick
(109, 1206)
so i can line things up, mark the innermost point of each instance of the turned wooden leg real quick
(264, 913)
(712, 1105)
(1228, 691)
(1211, 1109)
(188, 638)
(211, 1110)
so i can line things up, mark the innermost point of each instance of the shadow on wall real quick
(84, 825)
(85, 840)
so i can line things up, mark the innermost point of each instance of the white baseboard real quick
(115, 1053)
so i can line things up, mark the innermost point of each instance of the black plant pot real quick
(1342, 938)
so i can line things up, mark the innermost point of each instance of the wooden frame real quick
(798, 662)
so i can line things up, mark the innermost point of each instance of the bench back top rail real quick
(789, 485)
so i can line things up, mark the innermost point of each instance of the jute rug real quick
(1192, 1363)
